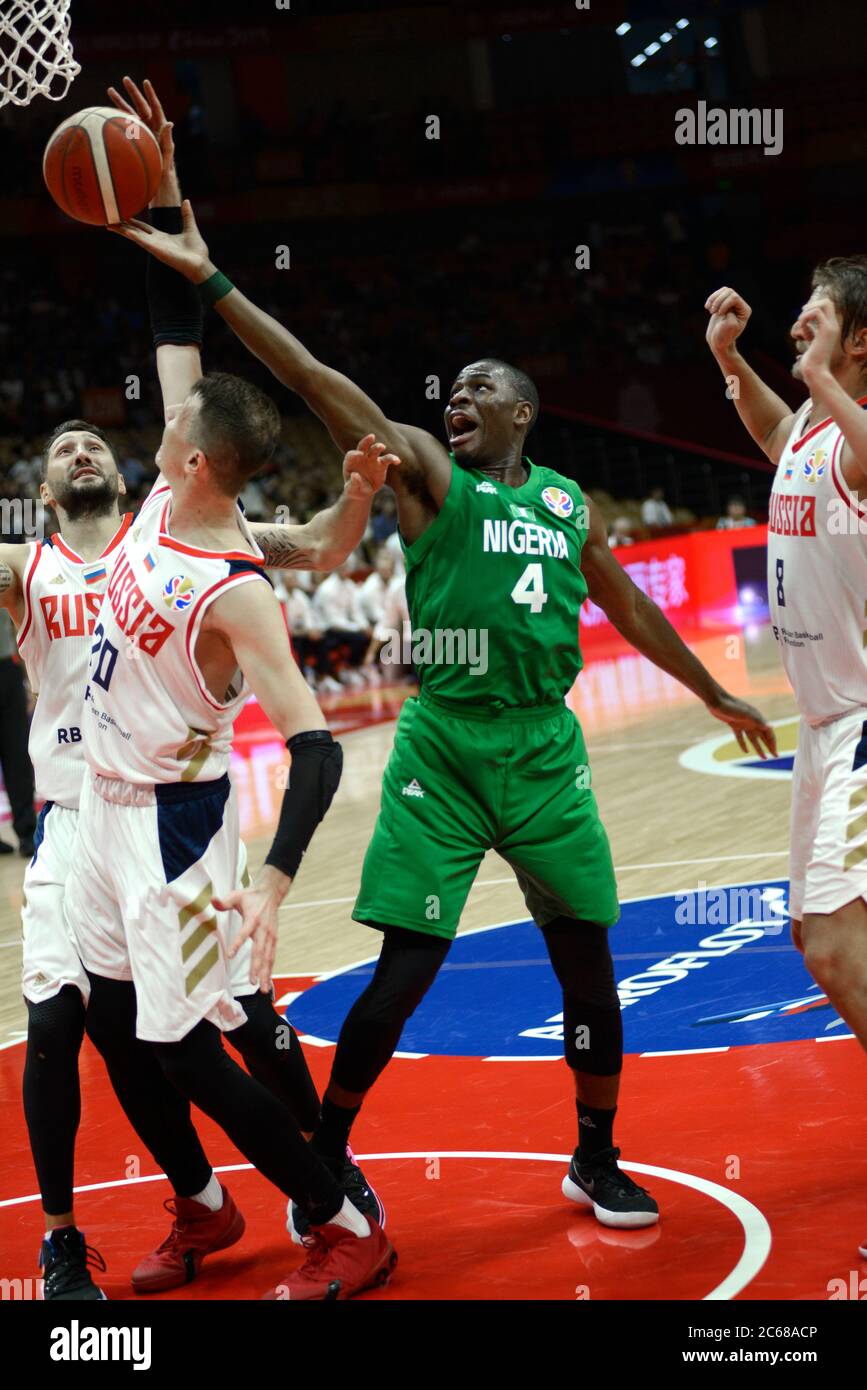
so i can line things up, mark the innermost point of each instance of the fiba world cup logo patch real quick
(558, 501)
(178, 593)
(815, 466)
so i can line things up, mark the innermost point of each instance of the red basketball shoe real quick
(196, 1232)
(339, 1264)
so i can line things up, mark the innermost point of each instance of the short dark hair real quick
(237, 428)
(523, 385)
(845, 279)
(82, 425)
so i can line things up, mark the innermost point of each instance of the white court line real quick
(757, 1232)
(838, 1037)
(684, 1052)
(618, 869)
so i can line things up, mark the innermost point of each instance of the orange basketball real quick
(102, 166)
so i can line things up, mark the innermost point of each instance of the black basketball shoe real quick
(64, 1260)
(354, 1185)
(614, 1197)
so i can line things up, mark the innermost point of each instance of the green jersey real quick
(494, 588)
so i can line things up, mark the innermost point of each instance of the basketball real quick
(102, 166)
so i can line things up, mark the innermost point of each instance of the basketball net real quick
(35, 51)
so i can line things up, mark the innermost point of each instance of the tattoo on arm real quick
(7, 577)
(282, 553)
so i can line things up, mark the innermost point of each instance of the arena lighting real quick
(682, 24)
(711, 43)
(637, 61)
(666, 37)
(652, 48)
(623, 28)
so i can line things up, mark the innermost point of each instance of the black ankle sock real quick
(595, 1130)
(332, 1132)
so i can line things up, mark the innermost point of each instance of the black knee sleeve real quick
(592, 1022)
(405, 971)
(273, 1054)
(52, 1096)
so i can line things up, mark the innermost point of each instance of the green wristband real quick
(215, 288)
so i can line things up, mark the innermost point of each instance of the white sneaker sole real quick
(620, 1220)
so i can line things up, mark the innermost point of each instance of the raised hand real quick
(729, 315)
(148, 107)
(184, 251)
(366, 467)
(819, 325)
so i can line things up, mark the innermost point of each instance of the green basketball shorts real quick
(464, 779)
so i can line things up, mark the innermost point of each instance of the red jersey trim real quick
(840, 483)
(168, 540)
(60, 544)
(822, 425)
(28, 580)
(194, 625)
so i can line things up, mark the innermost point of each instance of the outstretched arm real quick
(645, 627)
(329, 537)
(176, 314)
(345, 410)
(764, 413)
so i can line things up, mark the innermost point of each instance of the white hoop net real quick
(35, 51)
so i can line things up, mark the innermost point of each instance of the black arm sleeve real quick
(175, 308)
(317, 762)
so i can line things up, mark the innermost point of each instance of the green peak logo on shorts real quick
(722, 757)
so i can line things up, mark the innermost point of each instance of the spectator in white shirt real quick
(298, 612)
(621, 532)
(392, 635)
(655, 511)
(372, 593)
(346, 632)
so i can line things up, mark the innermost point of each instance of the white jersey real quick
(817, 573)
(148, 715)
(62, 596)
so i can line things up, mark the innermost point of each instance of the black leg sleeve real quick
(270, 1048)
(407, 967)
(157, 1111)
(592, 1022)
(255, 1121)
(52, 1095)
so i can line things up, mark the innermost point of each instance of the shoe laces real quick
(606, 1161)
(68, 1259)
(318, 1251)
(178, 1226)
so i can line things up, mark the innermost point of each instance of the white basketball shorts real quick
(828, 849)
(147, 862)
(51, 959)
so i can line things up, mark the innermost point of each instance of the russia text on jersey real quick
(135, 616)
(792, 515)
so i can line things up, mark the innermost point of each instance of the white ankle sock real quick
(350, 1218)
(210, 1196)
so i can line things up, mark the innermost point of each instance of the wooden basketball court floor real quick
(742, 1100)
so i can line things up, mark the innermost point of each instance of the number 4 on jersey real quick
(530, 589)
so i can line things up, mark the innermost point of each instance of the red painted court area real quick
(756, 1156)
